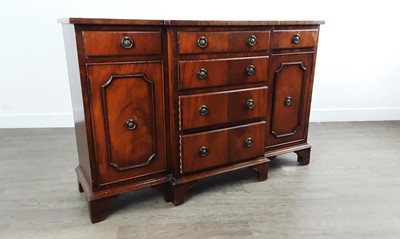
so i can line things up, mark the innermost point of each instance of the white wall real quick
(357, 74)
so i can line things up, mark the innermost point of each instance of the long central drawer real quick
(220, 72)
(221, 147)
(222, 107)
(219, 42)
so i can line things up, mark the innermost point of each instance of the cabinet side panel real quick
(71, 52)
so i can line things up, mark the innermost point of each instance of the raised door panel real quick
(289, 107)
(128, 112)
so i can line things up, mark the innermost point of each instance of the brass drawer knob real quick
(248, 142)
(296, 38)
(203, 151)
(288, 101)
(251, 70)
(202, 42)
(203, 110)
(131, 124)
(202, 74)
(250, 103)
(252, 40)
(127, 42)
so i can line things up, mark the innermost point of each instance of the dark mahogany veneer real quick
(163, 104)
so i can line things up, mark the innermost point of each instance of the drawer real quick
(220, 72)
(294, 38)
(101, 43)
(222, 147)
(222, 107)
(212, 42)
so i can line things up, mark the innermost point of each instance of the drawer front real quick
(214, 42)
(220, 72)
(221, 147)
(223, 107)
(294, 38)
(101, 43)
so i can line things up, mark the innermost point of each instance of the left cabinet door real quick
(127, 107)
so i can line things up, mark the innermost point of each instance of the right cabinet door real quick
(289, 100)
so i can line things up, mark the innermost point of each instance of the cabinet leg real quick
(179, 192)
(166, 190)
(262, 171)
(303, 156)
(98, 207)
(80, 188)
(272, 158)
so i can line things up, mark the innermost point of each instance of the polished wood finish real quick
(222, 107)
(143, 110)
(224, 146)
(291, 77)
(222, 41)
(222, 72)
(121, 92)
(284, 38)
(102, 21)
(104, 43)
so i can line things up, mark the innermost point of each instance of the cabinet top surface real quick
(101, 21)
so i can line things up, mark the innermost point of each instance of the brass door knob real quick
(131, 124)
(203, 151)
(250, 70)
(202, 42)
(288, 101)
(250, 103)
(203, 110)
(252, 40)
(202, 74)
(127, 42)
(248, 142)
(296, 38)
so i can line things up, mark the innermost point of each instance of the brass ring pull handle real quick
(203, 151)
(127, 42)
(131, 124)
(250, 70)
(203, 110)
(296, 38)
(288, 101)
(202, 42)
(252, 40)
(202, 74)
(248, 142)
(250, 104)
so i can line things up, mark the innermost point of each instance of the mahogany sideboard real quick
(163, 104)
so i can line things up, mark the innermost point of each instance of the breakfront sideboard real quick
(163, 104)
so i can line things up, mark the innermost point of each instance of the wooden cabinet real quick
(289, 108)
(127, 109)
(163, 104)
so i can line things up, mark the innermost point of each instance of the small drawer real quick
(294, 38)
(219, 42)
(222, 147)
(220, 72)
(101, 43)
(222, 107)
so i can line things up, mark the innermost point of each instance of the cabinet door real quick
(289, 101)
(127, 119)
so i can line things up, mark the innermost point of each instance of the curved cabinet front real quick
(127, 110)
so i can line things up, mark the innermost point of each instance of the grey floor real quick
(351, 189)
